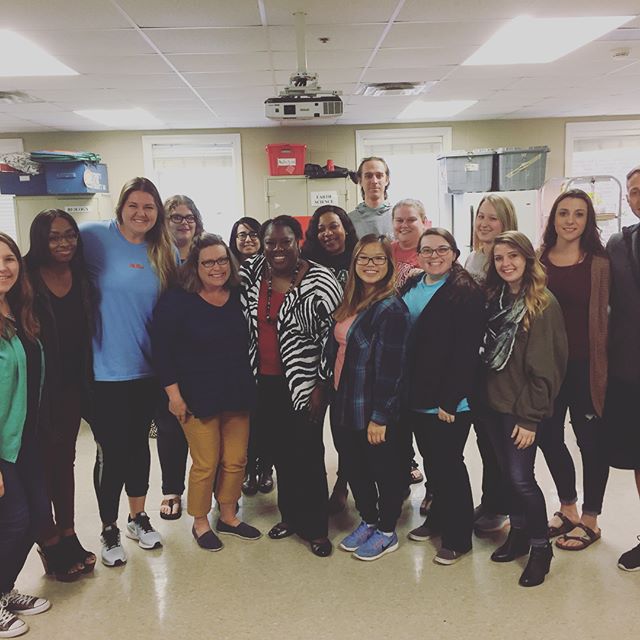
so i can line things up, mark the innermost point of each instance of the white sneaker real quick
(140, 529)
(112, 554)
(10, 625)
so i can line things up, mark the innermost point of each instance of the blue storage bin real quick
(22, 184)
(76, 177)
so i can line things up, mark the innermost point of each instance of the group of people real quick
(236, 350)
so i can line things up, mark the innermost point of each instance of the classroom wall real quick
(122, 150)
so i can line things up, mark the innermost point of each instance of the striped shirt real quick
(303, 324)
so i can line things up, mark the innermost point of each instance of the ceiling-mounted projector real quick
(303, 98)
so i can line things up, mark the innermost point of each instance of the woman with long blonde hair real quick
(363, 361)
(525, 351)
(131, 261)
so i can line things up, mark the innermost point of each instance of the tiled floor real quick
(270, 590)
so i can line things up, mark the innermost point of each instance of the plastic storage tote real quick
(468, 171)
(286, 159)
(521, 169)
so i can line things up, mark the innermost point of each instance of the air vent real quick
(333, 108)
(17, 97)
(395, 88)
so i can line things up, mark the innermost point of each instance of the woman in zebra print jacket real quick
(289, 304)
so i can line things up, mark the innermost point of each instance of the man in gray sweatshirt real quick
(374, 214)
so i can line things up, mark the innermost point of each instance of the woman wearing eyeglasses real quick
(185, 224)
(363, 360)
(200, 341)
(447, 313)
(244, 241)
(184, 221)
(288, 303)
(64, 306)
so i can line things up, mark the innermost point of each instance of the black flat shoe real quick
(321, 549)
(208, 541)
(280, 531)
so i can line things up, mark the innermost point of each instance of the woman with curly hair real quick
(329, 241)
(525, 351)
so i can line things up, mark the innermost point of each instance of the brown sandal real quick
(585, 539)
(174, 506)
(565, 527)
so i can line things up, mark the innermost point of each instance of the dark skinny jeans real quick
(575, 395)
(441, 445)
(376, 474)
(527, 506)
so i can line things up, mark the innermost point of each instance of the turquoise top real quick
(13, 395)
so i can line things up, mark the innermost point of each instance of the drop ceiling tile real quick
(127, 65)
(46, 14)
(341, 37)
(280, 12)
(416, 58)
(226, 41)
(413, 35)
(478, 11)
(319, 61)
(202, 63)
(401, 74)
(240, 79)
(192, 13)
(96, 42)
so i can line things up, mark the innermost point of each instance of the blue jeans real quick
(24, 510)
(527, 507)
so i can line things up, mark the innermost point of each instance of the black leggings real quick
(575, 396)
(172, 448)
(122, 414)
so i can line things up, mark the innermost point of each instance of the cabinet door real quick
(287, 195)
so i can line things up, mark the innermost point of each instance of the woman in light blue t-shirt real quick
(131, 261)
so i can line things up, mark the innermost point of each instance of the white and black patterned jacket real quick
(303, 324)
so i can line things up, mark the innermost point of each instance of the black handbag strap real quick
(628, 234)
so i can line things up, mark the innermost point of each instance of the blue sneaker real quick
(358, 537)
(376, 546)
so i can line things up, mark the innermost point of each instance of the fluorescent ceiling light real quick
(20, 57)
(423, 109)
(527, 40)
(129, 118)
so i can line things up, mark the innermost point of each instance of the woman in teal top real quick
(23, 500)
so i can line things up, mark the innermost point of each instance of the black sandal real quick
(56, 563)
(78, 554)
(565, 527)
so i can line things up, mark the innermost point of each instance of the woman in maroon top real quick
(578, 275)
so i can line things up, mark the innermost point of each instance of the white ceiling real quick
(212, 63)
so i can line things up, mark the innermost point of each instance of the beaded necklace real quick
(270, 287)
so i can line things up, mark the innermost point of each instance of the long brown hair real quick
(20, 298)
(534, 279)
(590, 241)
(355, 299)
(160, 248)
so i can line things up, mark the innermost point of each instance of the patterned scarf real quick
(504, 319)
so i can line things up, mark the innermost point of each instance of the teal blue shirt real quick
(13, 395)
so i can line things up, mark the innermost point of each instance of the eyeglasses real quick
(365, 260)
(221, 262)
(427, 252)
(243, 235)
(68, 236)
(176, 218)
